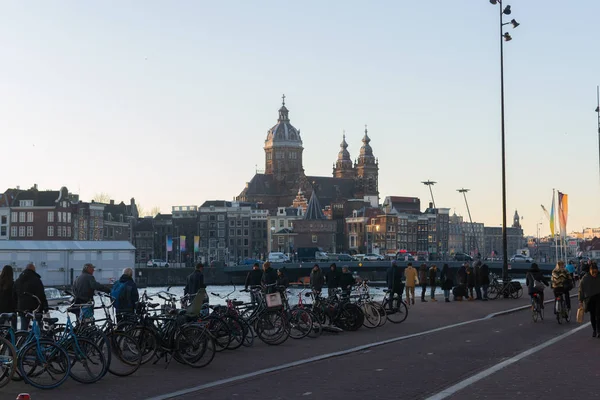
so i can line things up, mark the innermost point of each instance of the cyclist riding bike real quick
(536, 283)
(562, 283)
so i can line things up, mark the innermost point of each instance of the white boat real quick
(55, 297)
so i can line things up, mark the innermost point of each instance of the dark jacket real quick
(317, 280)
(432, 275)
(253, 278)
(269, 276)
(283, 280)
(534, 274)
(84, 287)
(347, 280)
(8, 299)
(470, 277)
(195, 282)
(446, 278)
(423, 274)
(332, 277)
(394, 279)
(477, 272)
(131, 294)
(30, 282)
(588, 287)
(485, 275)
(461, 275)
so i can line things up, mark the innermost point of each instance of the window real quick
(232, 232)
(231, 242)
(212, 218)
(22, 216)
(69, 230)
(2, 231)
(30, 231)
(280, 240)
(21, 231)
(239, 242)
(58, 231)
(29, 216)
(221, 233)
(211, 234)
(14, 216)
(13, 231)
(64, 216)
(273, 223)
(239, 222)
(314, 238)
(64, 231)
(59, 214)
(221, 217)
(69, 217)
(245, 222)
(221, 225)
(50, 216)
(50, 231)
(231, 223)
(281, 223)
(239, 232)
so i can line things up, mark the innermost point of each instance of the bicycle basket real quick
(274, 300)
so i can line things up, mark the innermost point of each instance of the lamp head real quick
(507, 10)
(597, 109)
(514, 23)
(507, 37)
(494, 1)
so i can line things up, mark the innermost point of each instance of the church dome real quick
(366, 152)
(283, 134)
(344, 155)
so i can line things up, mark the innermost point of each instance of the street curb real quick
(516, 309)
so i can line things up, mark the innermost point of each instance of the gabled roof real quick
(63, 245)
(216, 203)
(43, 198)
(332, 189)
(262, 184)
(314, 211)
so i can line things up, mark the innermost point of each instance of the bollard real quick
(24, 396)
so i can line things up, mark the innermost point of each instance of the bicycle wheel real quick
(300, 323)
(8, 361)
(317, 328)
(126, 354)
(248, 333)
(49, 361)
(220, 331)
(516, 292)
(398, 312)
(195, 345)
(236, 331)
(272, 328)
(382, 313)
(87, 360)
(534, 311)
(372, 316)
(146, 341)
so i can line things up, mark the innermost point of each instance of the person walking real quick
(589, 295)
(83, 290)
(432, 275)
(395, 285)
(317, 280)
(447, 282)
(8, 296)
(485, 280)
(29, 282)
(125, 293)
(423, 280)
(411, 278)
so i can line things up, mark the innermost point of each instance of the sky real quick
(170, 102)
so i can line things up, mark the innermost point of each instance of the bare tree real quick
(154, 211)
(141, 210)
(101, 198)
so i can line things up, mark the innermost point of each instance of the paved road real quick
(412, 368)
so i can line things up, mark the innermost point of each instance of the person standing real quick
(269, 278)
(411, 277)
(253, 280)
(195, 284)
(317, 280)
(29, 282)
(347, 281)
(125, 293)
(477, 273)
(485, 280)
(423, 280)
(447, 282)
(332, 279)
(282, 279)
(470, 281)
(8, 296)
(83, 290)
(432, 275)
(589, 295)
(395, 285)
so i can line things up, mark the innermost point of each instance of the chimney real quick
(35, 187)
(431, 205)
(112, 202)
(132, 201)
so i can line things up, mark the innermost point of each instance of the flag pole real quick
(554, 224)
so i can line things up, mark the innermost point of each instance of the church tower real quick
(516, 220)
(283, 149)
(367, 173)
(343, 167)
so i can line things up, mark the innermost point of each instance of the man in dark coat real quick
(29, 282)
(253, 280)
(347, 280)
(395, 284)
(269, 277)
(195, 283)
(332, 278)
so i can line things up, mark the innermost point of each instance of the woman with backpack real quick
(125, 293)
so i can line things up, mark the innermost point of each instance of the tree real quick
(154, 211)
(101, 198)
(141, 210)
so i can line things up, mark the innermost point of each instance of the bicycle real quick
(560, 309)
(536, 307)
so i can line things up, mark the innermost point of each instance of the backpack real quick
(119, 292)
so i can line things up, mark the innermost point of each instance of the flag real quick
(545, 212)
(552, 218)
(196, 244)
(181, 243)
(563, 211)
(169, 243)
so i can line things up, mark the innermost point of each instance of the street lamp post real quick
(503, 37)
(464, 193)
(430, 184)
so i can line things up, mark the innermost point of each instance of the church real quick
(284, 177)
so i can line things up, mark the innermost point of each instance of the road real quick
(437, 348)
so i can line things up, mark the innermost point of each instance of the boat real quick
(55, 297)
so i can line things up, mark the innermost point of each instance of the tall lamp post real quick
(464, 193)
(504, 36)
(430, 184)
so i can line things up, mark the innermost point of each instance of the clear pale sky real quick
(170, 102)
